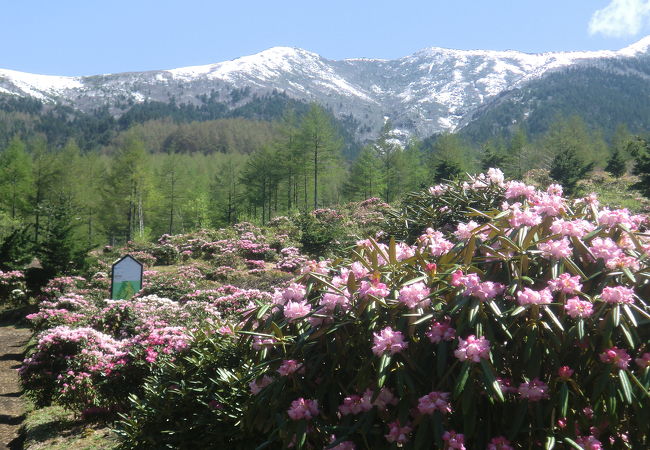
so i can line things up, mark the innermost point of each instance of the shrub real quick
(194, 401)
(443, 206)
(524, 325)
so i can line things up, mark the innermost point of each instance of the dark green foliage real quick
(567, 169)
(421, 210)
(60, 252)
(321, 231)
(17, 249)
(641, 152)
(193, 402)
(603, 98)
(447, 170)
(616, 164)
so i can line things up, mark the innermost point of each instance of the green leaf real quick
(573, 268)
(628, 273)
(491, 380)
(564, 399)
(384, 363)
(462, 378)
(277, 331)
(555, 320)
(573, 444)
(616, 315)
(550, 442)
(625, 384)
(494, 307)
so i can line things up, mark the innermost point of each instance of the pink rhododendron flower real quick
(355, 404)
(389, 341)
(495, 175)
(438, 190)
(548, 205)
(473, 349)
(384, 398)
(527, 217)
(397, 433)
(454, 440)
(589, 443)
(565, 372)
(617, 356)
(330, 301)
(345, 445)
(576, 228)
(296, 310)
(533, 391)
(434, 401)
(517, 189)
(474, 287)
(618, 294)
(566, 283)
(413, 294)
(499, 443)
(578, 308)
(435, 242)
(606, 249)
(303, 409)
(256, 386)
(464, 231)
(358, 269)
(531, 297)
(441, 331)
(404, 251)
(643, 361)
(555, 189)
(289, 366)
(615, 217)
(556, 249)
(374, 288)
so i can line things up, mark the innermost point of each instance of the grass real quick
(55, 428)
(616, 192)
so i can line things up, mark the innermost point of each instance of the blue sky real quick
(71, 37)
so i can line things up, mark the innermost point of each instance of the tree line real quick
(163, 177)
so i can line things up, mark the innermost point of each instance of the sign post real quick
(126, 278)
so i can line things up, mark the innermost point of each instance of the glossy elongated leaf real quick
(573, 444)
(550, 442)
(462, 378)
(625, 385)
(564, 399)
(554, 319)
(491, 380)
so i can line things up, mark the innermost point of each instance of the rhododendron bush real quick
(522, 325)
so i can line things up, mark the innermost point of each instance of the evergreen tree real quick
(364, 178)
(616, 164)
(640, 150)
(60, 252)
(318, 138)
(567, 168)
(388, 152)
(15, 178)
(449, 157)
(494, 155)
(126, 190)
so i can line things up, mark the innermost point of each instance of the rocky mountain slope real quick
(430, 91)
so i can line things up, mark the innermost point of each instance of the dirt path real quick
(12, 342)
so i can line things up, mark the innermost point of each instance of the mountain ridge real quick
(430, 91)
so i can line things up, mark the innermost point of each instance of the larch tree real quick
(15, 177)
(318, 139)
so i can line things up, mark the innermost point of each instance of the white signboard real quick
(126, 278)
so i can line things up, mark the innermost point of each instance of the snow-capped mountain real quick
(433, 90)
